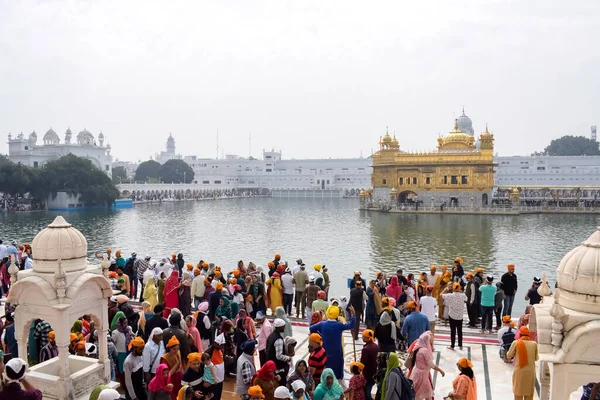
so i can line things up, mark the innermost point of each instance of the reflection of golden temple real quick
(454, 173)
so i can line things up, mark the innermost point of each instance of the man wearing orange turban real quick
(509, 285)
(133, 368)
(368, 357)
(525, 353)
(50, 350)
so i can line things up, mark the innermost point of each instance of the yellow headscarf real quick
(465, 363)
(181, 393)
(137, 342)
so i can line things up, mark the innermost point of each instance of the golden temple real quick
(459, 172)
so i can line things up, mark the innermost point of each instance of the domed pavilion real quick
(59, 289)
(568, 324)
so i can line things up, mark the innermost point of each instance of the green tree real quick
(78, 176)
(572, 146)
(176, 171)
(148, 170)
(119, 174)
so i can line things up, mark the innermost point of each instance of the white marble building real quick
(28, 151)
(273, 172)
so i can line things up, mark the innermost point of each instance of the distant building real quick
(27, 151)
(273, 172)
(547, 171)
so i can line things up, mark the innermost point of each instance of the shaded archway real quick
(484, 199)
(407, 196)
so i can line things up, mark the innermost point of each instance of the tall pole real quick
(217, 143)
(250, 145)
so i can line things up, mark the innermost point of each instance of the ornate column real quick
(103, 342)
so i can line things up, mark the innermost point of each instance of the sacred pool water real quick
(330, 232)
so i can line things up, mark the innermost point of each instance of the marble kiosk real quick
(568, 324)
(60, 288)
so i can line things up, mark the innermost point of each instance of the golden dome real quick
(395, 142)
(456, 140)
(387, 138)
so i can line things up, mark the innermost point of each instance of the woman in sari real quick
(150, 292)
(280, 313)
(274, 292)
(373, 298)
(185, 293)
(438, 289)
(421, 371)
(224, 310)
(194, 333)
(250, 328)
(145, 315)
(329, 388)
(160, 288)
(228, 346)
(265, 378)
(121, 336)
(393, 290)
(172, 359)
(240, 336)
(525, 353)
(301, 373)
(171, 293)
(464, 386)
(160, 387)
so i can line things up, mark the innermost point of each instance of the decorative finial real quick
(456, 125)
(486, 128)
(463, 110)
(13, 270)
(386, 131)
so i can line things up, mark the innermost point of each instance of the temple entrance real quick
(407, 197)
(484, 199)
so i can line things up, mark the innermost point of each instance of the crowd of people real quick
(201, 324)
(195, 194)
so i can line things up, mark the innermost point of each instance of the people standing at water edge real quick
(532, 294)
(510, 286)
(488, 302)
(455, 301)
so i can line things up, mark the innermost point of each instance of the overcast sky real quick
(315, 79)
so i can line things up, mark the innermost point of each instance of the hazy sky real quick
(315, 79)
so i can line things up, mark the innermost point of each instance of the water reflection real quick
(331, 232)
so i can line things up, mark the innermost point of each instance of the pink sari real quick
(195, 334)
(421, 372)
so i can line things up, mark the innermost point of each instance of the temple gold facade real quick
(458, 173)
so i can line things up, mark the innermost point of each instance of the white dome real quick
(59, 241)
(465, 124)
(579, 275)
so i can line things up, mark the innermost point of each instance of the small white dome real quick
(579, 275)
(59, 241)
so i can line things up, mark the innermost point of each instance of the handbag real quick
(410, 359)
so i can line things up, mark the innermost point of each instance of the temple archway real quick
(408, 196)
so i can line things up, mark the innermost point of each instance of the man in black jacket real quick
(174, 329)
(509, 284)
(156, 321)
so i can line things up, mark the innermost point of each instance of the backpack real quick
(408, 388)
(507, 338)
(129, 267)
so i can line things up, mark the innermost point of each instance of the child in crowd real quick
(209, 373)
(356, 386)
